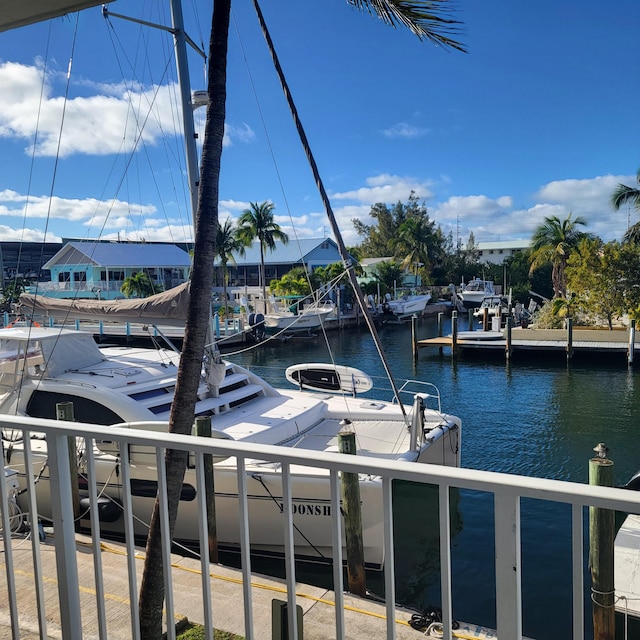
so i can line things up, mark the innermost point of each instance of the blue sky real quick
(539, 118)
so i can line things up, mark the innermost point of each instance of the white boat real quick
(404, 307)
(41, 367)
(135, 387)
(285, 321)
(474, 292)
(494, 306)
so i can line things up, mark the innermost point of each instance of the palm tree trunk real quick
(189, 370)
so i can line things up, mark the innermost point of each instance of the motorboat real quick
(403, 307)
(475, 291)
(495, 306)
(280, 320)
(41, 367)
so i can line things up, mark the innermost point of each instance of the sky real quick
(540, 118)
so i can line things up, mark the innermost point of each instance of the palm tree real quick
(552, 243)
(430, 21)
(138, 285)
(415, 243)
(623, 195)
(227, 243)
(257, 222)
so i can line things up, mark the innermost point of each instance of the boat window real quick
(42, 404)
(13, 361)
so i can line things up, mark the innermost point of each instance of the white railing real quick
(508, 490)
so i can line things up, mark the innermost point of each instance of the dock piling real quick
(454, 332)
(352, 515)
(203, 429)
(632, 341)
(64, 411)
(601, 538)
(569, 322)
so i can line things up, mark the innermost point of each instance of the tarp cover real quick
(168, 308)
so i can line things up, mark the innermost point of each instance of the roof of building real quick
(120, 254)
(503, 244)
(294, 252)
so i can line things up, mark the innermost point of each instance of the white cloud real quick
(387, 188)
(117, 119)
(9, 234)
(404, 130)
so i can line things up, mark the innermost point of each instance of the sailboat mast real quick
(193, 172)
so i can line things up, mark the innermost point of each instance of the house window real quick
(64, 276)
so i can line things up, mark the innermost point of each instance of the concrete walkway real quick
(363, 618)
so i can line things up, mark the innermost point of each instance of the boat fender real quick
(108, 510)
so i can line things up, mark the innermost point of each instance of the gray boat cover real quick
(168, 308)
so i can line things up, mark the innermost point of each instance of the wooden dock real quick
(510, 341)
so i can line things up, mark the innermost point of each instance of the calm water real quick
(537, 417)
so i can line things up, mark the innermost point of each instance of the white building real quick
(497, 252)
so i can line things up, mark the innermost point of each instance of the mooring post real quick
(352, 509)
(601, 537)
(64, 411)
(414, 337)
(454, 332)
(569, 338)
(440, 317)
(632, 341)
(485, 319)
(203, 429)
(470, 319)
(509, 345)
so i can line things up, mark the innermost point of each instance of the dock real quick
(510, 341)
(364, 618)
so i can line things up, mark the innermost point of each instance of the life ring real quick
(9, 326)
(36, 324)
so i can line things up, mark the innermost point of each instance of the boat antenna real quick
(344, 254)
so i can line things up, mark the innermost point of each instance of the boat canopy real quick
(168, 308)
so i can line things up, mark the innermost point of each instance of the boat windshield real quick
(15, 355)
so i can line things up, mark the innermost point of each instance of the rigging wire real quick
(348, 263)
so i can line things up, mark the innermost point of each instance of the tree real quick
(257, 222)
(389, 274)
(138, 285)
(552, 243)
(605, 279)
(623, 195)
(427, 22)
(227, 243)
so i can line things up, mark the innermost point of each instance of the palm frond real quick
(428, 19)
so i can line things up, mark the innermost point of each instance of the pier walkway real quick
(568, 341)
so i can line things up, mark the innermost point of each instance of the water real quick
(537, 417)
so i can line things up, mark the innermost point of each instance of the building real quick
(90, 269)
(370, 265)
(498, 252)
(308, 252)
(25, 260)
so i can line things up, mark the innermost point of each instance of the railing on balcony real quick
(508, 490)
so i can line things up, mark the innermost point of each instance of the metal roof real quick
(19, 13)
(122, 254)
(294, 252)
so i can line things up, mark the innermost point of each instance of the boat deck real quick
(627, 567)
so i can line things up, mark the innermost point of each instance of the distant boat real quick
(474, 292)
(305, 320)
(404, 307)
